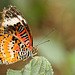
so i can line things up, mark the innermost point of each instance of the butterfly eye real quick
(35, 48)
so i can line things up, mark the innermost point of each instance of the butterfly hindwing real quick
(12, 49)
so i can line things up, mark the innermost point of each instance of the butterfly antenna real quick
(45, 37)
(42, 42)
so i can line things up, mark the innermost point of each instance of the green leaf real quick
(37, 66)
(13, 72)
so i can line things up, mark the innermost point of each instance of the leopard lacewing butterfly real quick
(16, 42)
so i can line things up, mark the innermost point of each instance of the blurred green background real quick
(54, 20)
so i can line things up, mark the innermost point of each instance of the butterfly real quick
(16, 42)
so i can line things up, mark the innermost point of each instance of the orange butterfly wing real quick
(16, 39)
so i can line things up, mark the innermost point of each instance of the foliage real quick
(40, 66)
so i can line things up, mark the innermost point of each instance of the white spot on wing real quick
(10, 21)
(22, 19)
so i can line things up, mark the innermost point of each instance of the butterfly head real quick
(34, 49)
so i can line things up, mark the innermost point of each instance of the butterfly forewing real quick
(13, 18)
